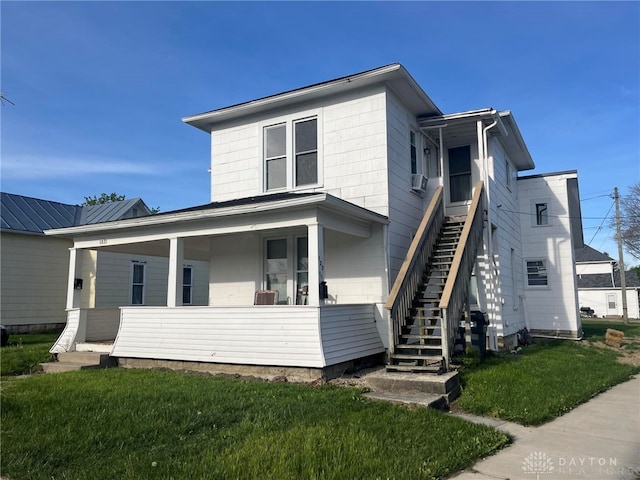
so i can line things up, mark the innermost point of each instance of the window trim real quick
(290, 154)
(545, 265)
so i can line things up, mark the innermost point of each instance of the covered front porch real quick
(325, 257)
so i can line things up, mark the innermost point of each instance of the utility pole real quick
(623, 280)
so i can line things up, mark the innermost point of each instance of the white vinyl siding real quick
(34, 279)
(554, 307)
(300, 336)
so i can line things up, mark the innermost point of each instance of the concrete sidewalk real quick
(597, 440)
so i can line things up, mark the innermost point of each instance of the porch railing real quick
(456, 289)
(409, 279)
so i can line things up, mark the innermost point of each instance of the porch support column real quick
(316, 262)
(174, 283)
(75, 264)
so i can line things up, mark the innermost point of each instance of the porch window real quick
(187, 285)
(460, 174)
(137, 283)
(277, 267)
(611, 301)
(537, 273)
(291, 154)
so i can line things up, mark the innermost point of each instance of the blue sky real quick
(100, 87)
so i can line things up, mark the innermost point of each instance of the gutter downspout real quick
(483, 144)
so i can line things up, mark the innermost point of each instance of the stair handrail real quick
(454, 295)
(408, 280)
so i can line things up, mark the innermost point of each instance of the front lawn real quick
(25, 352)
(131, 424)
(544, 380)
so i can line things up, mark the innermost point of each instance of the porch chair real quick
(266, 297)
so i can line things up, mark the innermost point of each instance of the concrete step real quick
(70, 361)
(86, 358)
(60, 367)
(446, 384)
(102, 347)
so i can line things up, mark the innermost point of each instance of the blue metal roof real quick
(33, 215)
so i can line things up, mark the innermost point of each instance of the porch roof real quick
(463, 124)
(259, 213)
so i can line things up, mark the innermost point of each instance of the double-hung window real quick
(291, 158)
(187, 285)
(137, 283)
(537, 273)
(306, 151)
(275, 156)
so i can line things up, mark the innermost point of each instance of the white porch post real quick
(75, 263)
(174, 283)
(316, 262)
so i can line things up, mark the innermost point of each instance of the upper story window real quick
(414, 152)
(275, 156)
(507, 167)
(306, 151)
(291, 154)
(542, 214)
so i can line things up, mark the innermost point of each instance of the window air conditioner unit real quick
(419, 183)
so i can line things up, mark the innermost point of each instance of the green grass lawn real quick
(25, 352)
(546, 379)
(132, 424)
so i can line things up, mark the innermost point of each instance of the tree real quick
(630, 220)
(103, 198)
(108, 198)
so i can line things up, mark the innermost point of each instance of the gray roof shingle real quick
(603, 280)
(587, 254)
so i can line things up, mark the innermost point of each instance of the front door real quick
(287, 268)
(460, 174)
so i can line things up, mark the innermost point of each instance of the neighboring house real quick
(599, 286)
(377, 219)
(35, 267)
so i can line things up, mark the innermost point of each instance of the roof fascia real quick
(394, 75)
(329, 201)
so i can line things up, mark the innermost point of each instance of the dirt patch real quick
(629, 350)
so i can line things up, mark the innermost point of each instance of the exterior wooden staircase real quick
(431, 291)
(419, 347)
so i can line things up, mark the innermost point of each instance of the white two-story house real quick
(372, 221)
